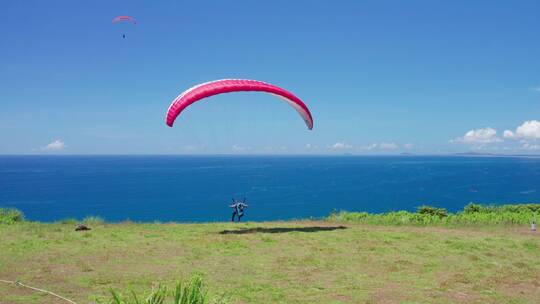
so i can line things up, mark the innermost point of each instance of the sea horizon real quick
(404, 154)
(198, 188)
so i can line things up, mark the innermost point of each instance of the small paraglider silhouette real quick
(129, 19)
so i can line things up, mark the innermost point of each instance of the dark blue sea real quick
(199, 188)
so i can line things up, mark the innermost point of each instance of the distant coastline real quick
(348, 154)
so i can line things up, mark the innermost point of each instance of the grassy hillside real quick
(275, 262)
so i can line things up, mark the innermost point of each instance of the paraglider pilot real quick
(238, 209)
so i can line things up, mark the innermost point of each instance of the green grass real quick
(93, 220)
(274, 262)
(189, 292)
(472, 215)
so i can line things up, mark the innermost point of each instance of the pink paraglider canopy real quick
(216, 87)
(124, 18)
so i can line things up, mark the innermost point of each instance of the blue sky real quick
(379, 76)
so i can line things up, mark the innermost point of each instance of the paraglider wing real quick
(216, 87)
(124, 18)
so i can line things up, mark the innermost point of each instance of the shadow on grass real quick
(282, 229)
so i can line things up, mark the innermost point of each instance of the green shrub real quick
(515, 208)
(473, 208)
(472, 214)
(521, 208)
(190, 292)
(10, 216)
(430, 210)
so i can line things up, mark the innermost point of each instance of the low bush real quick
(10, 216)
(472, 214)
(516, 208)
(474, 208)
(429, 210)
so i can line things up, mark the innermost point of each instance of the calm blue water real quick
(197, 188)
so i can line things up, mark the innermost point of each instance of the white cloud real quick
(530, 146)
(267, 149)
(526, 136)
(537, 89)
(340, 146)
(480, 136)
(508, 134)
(239, 148)
(529, 130)
(311, 147)
(381, 146)
(408, 146)
(57, 145)
(190, 148)
(370, 147)
(388, 146)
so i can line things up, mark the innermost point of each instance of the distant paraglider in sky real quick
(124, 18)
(128, 19)
(216, 87)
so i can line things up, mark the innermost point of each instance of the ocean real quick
(200, 188)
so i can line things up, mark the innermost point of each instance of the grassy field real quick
(275, 262)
